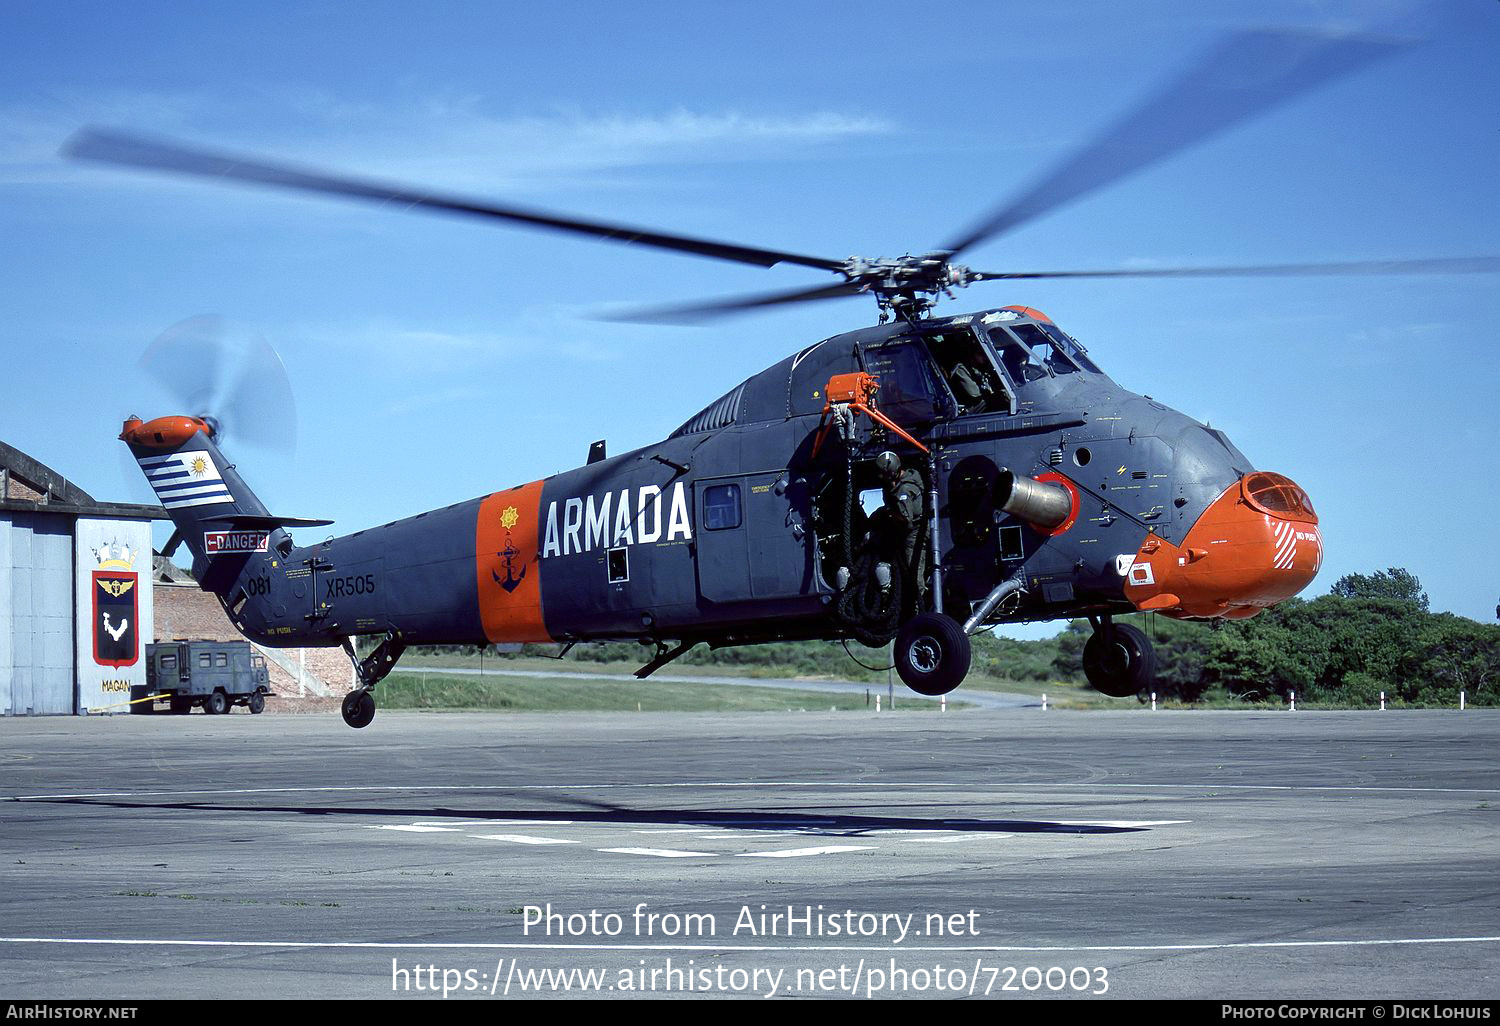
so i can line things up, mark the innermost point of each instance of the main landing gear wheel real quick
(359, 708)
(1118, 661)
(932, 654)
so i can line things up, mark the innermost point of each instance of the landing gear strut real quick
(359, 704)
(1118, 660)
(932, 654)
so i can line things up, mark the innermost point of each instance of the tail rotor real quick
(229, 376)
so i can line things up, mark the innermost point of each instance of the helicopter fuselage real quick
(738, 527)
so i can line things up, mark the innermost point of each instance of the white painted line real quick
(1124, 824)
(673, 830)
(795, 853)
(725, 837)
(954, 839)
(495, 822)
(663, 853)
(493, 945)
(521, 839)
(415, 828)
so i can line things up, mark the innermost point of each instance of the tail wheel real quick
(359, 708)
(1119, 661)
(932, 654)
(216, 703)
(257, 703)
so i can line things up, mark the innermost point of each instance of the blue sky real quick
(436, 359)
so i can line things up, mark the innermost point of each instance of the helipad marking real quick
(663, 853)
(795, 853)
(521, 839)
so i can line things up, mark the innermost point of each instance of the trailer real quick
(217, 675)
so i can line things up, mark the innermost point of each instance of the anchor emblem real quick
(510, 582)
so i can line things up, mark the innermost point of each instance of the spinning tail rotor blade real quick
(1245, 75)
(259, 407)
(188, 361)
(229, 375)
(132, 151)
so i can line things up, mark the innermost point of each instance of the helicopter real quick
(908, 483)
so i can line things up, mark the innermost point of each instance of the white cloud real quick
(452, 142)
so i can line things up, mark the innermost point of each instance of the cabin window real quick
(1011, 543)
(617, 562)
(169, 662)
(221, 659)
(205, 661)
(721, 507)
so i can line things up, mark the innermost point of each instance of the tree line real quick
(1371, 634)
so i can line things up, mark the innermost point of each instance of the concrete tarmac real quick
(995, 853)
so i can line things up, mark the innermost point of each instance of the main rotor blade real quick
(1246, 74)
(699, 312)
(1438, 265)
(131, 151)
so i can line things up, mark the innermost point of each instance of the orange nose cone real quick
(1256, 545)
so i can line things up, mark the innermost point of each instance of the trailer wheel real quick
(257, 703)
(216, 704)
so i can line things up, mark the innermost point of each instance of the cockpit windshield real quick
(1069, 346)
(1032, 351)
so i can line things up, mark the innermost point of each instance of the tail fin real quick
(218, 517)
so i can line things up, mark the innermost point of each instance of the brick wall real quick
(16, 490)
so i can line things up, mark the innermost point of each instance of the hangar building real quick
(79, 590)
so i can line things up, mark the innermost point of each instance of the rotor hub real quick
(907, 286)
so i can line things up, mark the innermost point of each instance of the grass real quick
(413, 689)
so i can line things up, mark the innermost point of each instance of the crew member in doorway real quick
(897, 526)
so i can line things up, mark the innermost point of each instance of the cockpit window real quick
(968, 372)
(906, 393)
(1021, 363)
(1069, 346)
(1045, 348)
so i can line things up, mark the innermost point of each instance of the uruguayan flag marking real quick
(186, 479)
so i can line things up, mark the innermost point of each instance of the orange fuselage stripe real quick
(505, 560)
